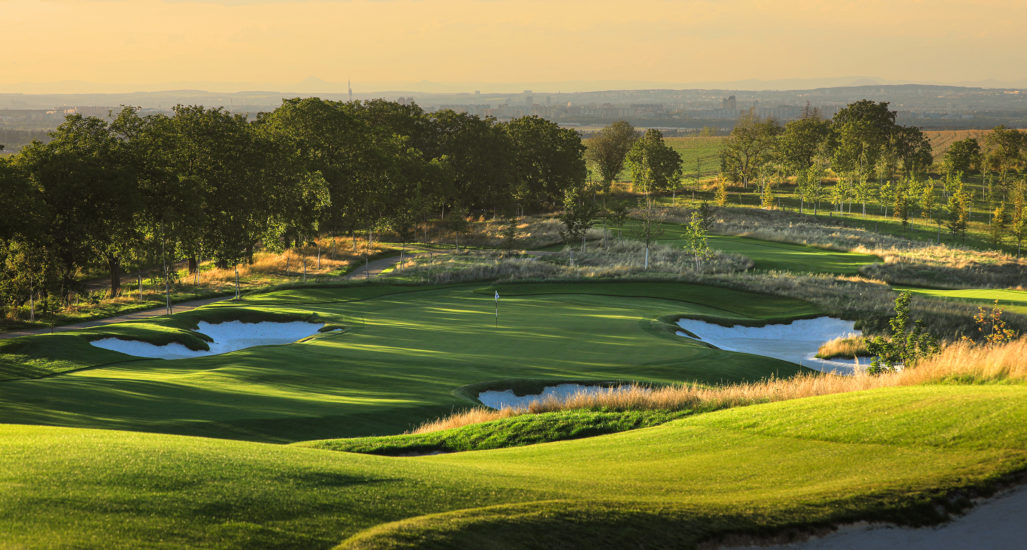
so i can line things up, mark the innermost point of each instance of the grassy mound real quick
(889, 454)
(517, 431)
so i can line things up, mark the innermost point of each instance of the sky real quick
(61, 46)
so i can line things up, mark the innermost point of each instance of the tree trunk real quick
(32, 306)
(193, 264)
(114, 265)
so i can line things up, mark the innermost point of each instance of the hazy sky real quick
(499, 45)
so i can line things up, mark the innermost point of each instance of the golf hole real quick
(796, 342)
(227, 337)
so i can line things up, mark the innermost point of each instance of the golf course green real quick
(403, 358)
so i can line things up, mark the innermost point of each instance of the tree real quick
(608, 149)
(91, 197)
(579, 213)
(1018, 223)
(547, 161)
(696, 233)
(749, 148)
(902, 202)
(864, 130)
(958, 207)
(811, 186)
(720, 195)
(907, 344)
(997, 227)
(654, 165)
(477, 155)
(1006, 148)
(912, 148)
(963, 156)
(801, 142)
(332, 139)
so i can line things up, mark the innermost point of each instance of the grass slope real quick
(1014, 301)
(889, 454)
(517, 431)
(766, 254)
(405, 355)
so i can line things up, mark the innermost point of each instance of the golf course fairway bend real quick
(403, 357)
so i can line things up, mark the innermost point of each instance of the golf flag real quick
(497, 295)
(497, 308)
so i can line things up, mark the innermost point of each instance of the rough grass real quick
(963, 362)
(844, 346)
(906, 261)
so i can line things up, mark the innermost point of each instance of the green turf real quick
(767, 255)
(1014, 301)
(404, 357)
(516, 431)
(889, 454)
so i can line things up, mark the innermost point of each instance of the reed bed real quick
(962, 362)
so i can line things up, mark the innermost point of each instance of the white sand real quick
(994, 524)
(230, 336)
(796, 342)
(501, 399)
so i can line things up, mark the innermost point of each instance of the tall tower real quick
(349, 86)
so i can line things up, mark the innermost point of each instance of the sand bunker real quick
(996, 523)
(796, 342)
(230, 336)
(502, 399)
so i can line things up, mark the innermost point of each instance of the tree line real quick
(206, 183)
(878, 161)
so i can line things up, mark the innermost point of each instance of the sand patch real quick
(227, 337)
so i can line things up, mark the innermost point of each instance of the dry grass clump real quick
(629, 255)
(844, 346)
(617, 259)
(525, 232)
(961, 361)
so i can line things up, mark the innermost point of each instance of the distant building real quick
(729, 104)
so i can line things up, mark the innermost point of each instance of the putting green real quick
(404, 356)
(882, 454)
(767, 255)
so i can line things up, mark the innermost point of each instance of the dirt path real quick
(373, 268)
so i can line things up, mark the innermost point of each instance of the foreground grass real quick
(404, 356)
(886, 454)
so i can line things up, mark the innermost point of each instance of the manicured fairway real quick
(882, 454)
(767, 255)
(1009, 300)
(404, 357)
